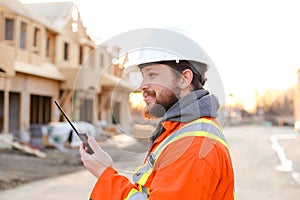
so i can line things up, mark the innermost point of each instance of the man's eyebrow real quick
(147, 69)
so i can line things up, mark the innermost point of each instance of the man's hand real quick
(97, 162)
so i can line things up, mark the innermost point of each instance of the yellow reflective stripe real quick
(131, 193)
(142, 180)
(200, 133)
(138, 194)
(207, 121)
(145, 176)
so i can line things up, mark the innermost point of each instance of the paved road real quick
(256, 163)
(255, 160)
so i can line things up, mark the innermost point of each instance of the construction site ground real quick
(17, 167)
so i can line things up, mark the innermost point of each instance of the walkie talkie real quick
(82, 136)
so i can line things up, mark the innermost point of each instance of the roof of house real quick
(56, 13)
(19, 8)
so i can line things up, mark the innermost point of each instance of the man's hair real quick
(197, 68)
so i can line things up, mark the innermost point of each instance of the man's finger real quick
(82, 150)
(93, 144)
(82, 153)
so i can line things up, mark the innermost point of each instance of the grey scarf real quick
(191, 107)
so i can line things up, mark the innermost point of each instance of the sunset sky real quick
(254, 44)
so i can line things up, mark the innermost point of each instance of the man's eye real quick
(152, 75)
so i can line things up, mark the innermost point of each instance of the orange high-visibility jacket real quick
(188, 168)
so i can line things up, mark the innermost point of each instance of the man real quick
(188, 156)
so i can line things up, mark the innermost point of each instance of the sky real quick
(254, 44)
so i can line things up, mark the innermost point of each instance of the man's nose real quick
(144, 85)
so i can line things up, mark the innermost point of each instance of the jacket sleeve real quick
(111, 185)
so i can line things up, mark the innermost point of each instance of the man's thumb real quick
(93, 144)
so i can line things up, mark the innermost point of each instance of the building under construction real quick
(46, 55)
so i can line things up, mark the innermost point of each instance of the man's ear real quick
(187, 77)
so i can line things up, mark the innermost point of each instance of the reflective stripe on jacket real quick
(199, 128)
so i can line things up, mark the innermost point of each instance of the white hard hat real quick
(166, 45)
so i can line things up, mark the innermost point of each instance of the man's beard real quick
(164, 101)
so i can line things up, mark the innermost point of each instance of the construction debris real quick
(22, 147)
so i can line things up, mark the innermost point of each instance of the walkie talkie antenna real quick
(82, 136)
(60, 108)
